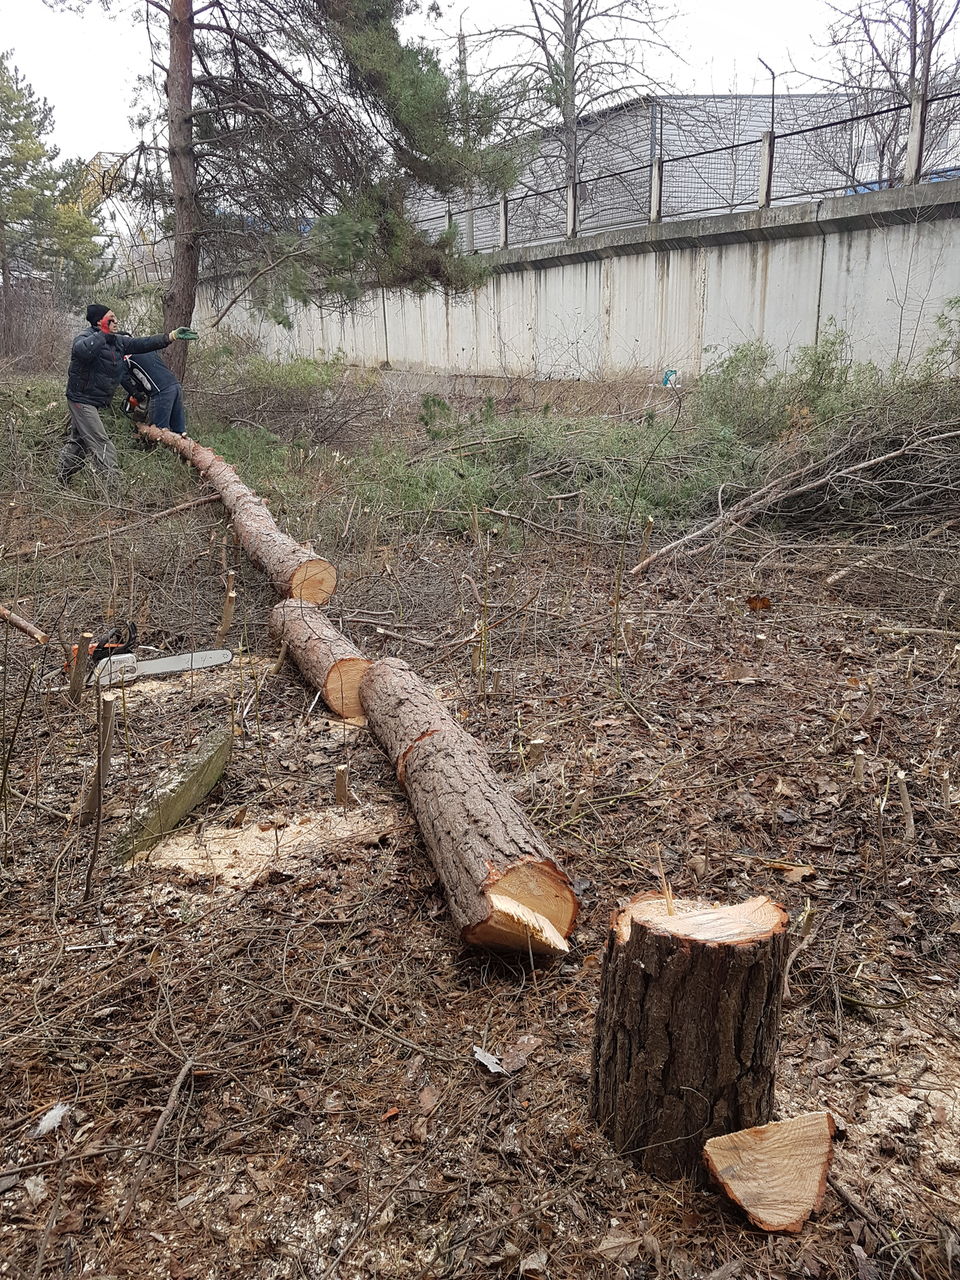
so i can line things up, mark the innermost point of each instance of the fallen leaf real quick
(428, 1099)
(36, 1189)
(866, 1270)
(517, 1056)
(796, 874)
(756, 603)
(534, 1265)
(488, 1060)
(391, 1114)
(619, 1246)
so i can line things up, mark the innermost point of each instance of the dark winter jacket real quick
(96, 363)
(154, 368)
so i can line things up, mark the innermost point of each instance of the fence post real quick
(766, 169)
(572, 211)
(504, 223)
(656, 189)
(913, 164)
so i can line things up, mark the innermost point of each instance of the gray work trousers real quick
(86, 437)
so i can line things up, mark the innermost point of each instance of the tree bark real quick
(329, 662)
(293, 569)
(688, 1026)
(180, 299)
(503, 886)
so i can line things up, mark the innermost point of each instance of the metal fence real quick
(891, 146)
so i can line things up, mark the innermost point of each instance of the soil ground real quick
(260, 1040)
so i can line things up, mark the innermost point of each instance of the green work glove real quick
(185, 335)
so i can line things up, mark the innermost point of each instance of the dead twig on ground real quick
(162, 1121)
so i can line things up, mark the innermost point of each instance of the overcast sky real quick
(86, 66)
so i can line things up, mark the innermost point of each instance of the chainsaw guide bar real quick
(124, 667)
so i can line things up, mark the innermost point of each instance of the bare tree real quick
(567, 64)
(889, 55)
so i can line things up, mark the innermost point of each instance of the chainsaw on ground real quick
(112, 659)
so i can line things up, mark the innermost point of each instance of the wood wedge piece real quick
(776, 1173)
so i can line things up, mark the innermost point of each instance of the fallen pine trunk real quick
(503, 887)
(327, 659)
(776, 1173)
(688, 1026)
(293, 569)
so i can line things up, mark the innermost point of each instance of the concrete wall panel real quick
(881, 266)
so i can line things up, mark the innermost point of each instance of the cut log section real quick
(22, 624)
(776, 1173)
(503, 887)
(293, 569)
(688, 1026)
(329, 662)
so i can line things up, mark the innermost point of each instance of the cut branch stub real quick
(776, 1173)
(329, 662)
(503, 886)
(293, 569)
(687, 1027)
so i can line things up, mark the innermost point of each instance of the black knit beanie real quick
(95, 313)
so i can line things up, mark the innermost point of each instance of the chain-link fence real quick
(861, 153)
(851, 156)
(614, 200)
(941, 152)
(710, 182)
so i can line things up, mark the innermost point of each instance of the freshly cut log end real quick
(701, 921)
(329, 661)
(314, 581)
(532, 907)
(341, 689)
(776, 1173)
(687, 1026)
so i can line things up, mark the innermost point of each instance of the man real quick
(166, 399)
(96, 363)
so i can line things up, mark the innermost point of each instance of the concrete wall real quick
(881, 266)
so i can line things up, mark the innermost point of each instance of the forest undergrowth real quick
(253, 1054)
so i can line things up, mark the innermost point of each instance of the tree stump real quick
(293, 569)
(688, 1026)
(503, 887)
(327, 659)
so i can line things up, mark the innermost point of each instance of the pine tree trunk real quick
(688, 1027)
(180, 299)
(503, 887)
(294, 570)
(328, 660)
